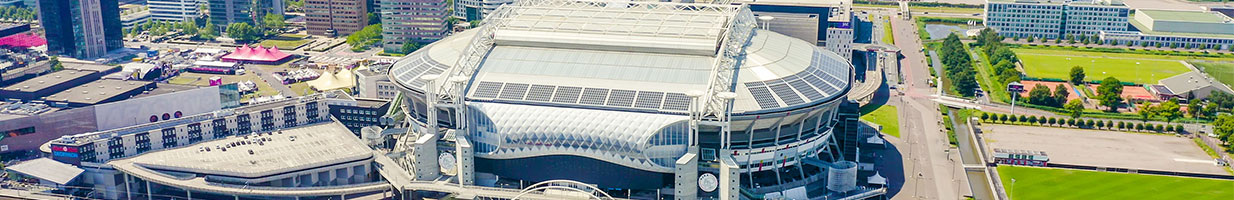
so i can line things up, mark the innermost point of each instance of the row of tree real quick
(1001, 57)
(958, 66)
(270, 25)
(17, 13)
(1223, 127)
(1041, 95)
(1080, 123)
(1094, 39)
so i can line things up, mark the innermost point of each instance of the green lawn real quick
(283, 44)
(1051, 63)
(888, 36)
(1223, 72)
(1047, 183)
(886, 116)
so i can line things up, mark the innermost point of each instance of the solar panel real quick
(806, 90)
(622, 98)
(676, 101)
(566, 94)
(540, 93)
(513, 91)
(651, 100)
(786, 93)
(593, 96)
(763, 97)
(487, 89)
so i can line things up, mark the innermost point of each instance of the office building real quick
(225, 12)
(335, 17)
(372, 82)
(1053, 19)
(557, 86)
(1182, 29)
(475, 10)
(355, 112)
(417, 21)
(81, 29)
(136, 18)
(175, 10)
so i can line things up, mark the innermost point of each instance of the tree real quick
(1090, 123)
(360, 40)
(242, 31)
(1040, 95)
(55, 63)
(1170, 110)
(208, 32)
(374, 18)
(1121, 125)
(189, 27)
(1159, 128)
(1223, 127)
(1030, 39)
(1032, 119)
(1145, 111)
(1109, 123)
(1052, 121)
(1015, 119)
(1110, 93)
(1077, 75)
(1178, 128)
(409, 46)
(274, 23)
(1060, 96)
(1070, 122)
(1074, 108)
(1139, 127)
(1002, 118)
(985, 116)
(1100, 124)
(1169, 128)
(1195, 109)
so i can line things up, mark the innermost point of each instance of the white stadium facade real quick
(548, 99)
(642, 96)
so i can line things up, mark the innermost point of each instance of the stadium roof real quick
(538, 58)
(250, 156)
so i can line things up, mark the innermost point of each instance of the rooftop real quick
(1190, 81)
(266, 154)
(97, 91)
(1064, 2)
(68, 64)
(1184, 16)
(799, 2)
(1148, 31)
(164, 88)
(45, 81)
(47, 169)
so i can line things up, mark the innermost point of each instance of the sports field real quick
(1137, 68)
(1223, 72)
(886, 116)
(1048, 183)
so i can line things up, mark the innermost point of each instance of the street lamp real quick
(766, 21)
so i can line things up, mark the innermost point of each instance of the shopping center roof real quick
(266, 154)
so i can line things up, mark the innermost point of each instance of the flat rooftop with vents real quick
(1195, 22)
(39, 87)
(101, 91)
(266, 154)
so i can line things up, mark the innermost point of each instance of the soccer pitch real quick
(1047, 183)
(1127, 67)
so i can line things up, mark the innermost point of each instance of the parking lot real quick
(1105, 148)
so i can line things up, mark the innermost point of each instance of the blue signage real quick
(64, 154)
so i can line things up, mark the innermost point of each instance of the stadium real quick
(630, 96)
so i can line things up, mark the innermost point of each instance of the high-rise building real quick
(403, 21)
(81, 29)
(1053, 19)
(474, 10)
(174, 10)
(335, 17)
(224, 12)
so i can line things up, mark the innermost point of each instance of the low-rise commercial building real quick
(372, 82)
(1186, 29)
(1053, 19)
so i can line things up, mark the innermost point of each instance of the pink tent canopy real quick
(260, 54)
(23, 41)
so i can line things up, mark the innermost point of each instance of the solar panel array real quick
(650, 100)
(409, 71)
(818, 82)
